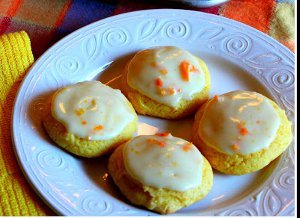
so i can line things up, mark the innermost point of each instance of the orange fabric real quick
(43, 14)
(255, 13)
(289, 44)
(13, 8)
(62, 14)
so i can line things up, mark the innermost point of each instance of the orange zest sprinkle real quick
(185, 69)
(162, 144)
(79, 111)
(98, 128)
(244, 131)
(157, 142)
(167, 91)
(163, 71)
(194, 69)
(216, 98)
(93, 102)
(154, 64)
(186, 76)
(187, 147)
(83, 122)
(172, 91)
(159, 82)
(235, 147)
(163, 92)
(163, 134)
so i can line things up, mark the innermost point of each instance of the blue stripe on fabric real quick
(83, 12)
(289, 1)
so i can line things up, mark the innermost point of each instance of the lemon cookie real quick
(161, 172)
(166, 82)
(90, 119)
(241, 132)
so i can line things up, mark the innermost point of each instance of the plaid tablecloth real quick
(47, 21)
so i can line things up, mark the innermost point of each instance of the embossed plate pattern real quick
(238, 57)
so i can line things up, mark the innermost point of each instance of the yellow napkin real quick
(17, 198)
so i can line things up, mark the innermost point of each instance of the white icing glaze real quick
(239, 122)
(92, 110)
(164, 162)
(164, 63)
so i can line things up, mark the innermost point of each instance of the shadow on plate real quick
(112, 72)
(37, 109)
(96, 170)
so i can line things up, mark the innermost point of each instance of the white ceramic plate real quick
(238, 57)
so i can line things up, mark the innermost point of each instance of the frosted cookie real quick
(90, 119)
(241, 132)
(161, 172)
(166, 82)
